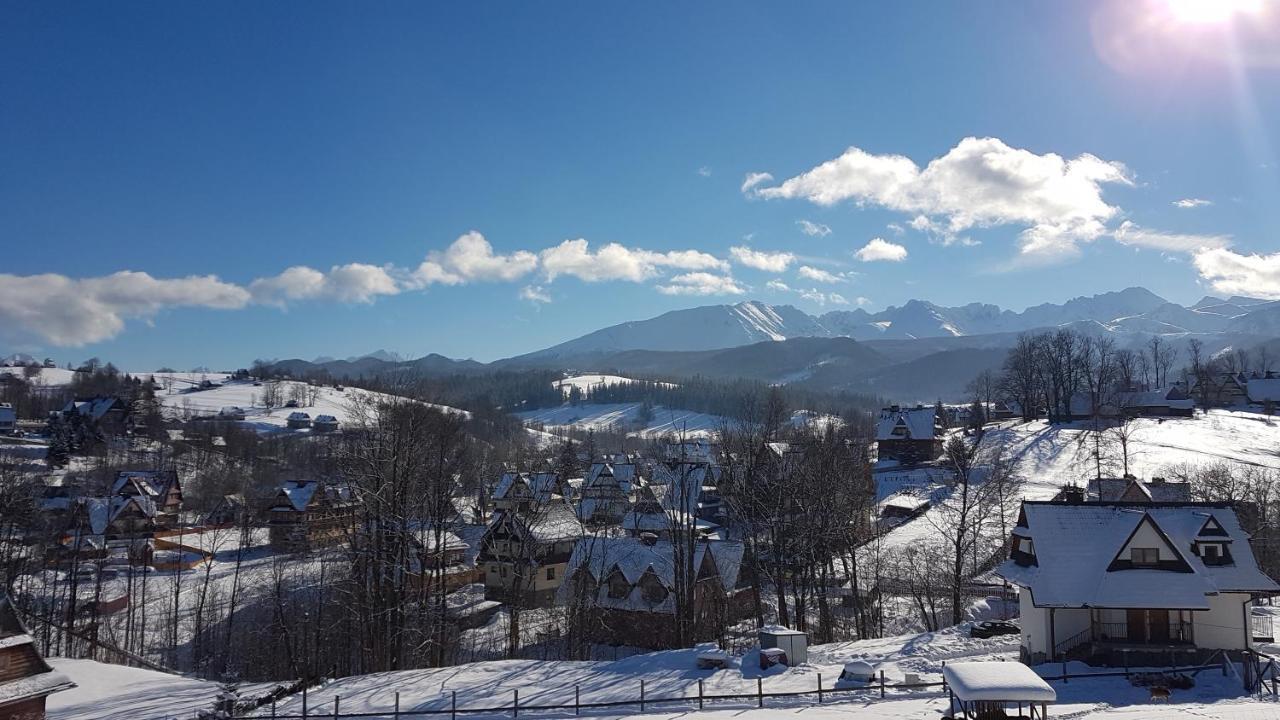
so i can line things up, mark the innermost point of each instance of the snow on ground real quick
(625, 417)
(587, 383)
(48, 377)
(674, 674)
(248, 396)
(116, 692)
(1050, 455)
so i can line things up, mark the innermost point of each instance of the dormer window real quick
(1213, 553)
(1144, 557)
(618, 586)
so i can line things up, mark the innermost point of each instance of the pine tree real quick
(567, 463)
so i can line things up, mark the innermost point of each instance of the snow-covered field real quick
(245, 394)
(48, 377)
(587, 383)
(116, 692)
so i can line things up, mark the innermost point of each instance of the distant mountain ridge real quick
(1132, 310)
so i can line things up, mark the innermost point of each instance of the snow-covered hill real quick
(183, 402)
(47, 377)
(116, 692)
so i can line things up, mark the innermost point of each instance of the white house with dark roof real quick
(608, 491)
(524, 551)
(1133, 583)
(523, 490)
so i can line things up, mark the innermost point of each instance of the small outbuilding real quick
(792, 642)
(298, 421)
(986, 689)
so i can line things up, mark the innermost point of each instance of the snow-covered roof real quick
(95, 407)
(1075, 546)
(1264, 389)
(633, 558)
(542, 485)
(911, 424)
(997, 682)
(623, 475)
(1129, 489)
(148, 482)
(550, 522)
(326, 420)
(1170, 397)
(301, 493)
(299, 416)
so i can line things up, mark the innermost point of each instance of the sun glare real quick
(1211, 11)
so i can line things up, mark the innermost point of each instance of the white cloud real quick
(70, 312)
(1131, 234)
(535, 294)
(354, 282)
(778, 286)
(704, 171)
(815, 295)
(761, 260)
(617, 262)
(895, 228)
(701, 283)
(879, 249)
(818, 275)
(754, 179)
(837, 299)
(861, 301)
(1235, 274)
(981, 182)
(813, 229)
(1192, 202)
(471, 258)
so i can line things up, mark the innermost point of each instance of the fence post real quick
(760, 692)
(819, 688)
(397, 715)
(642, 696)
(453, 704)
(273, 709)
(1065, 677)
(577, 705)
(335, 706)
(515, 704)
(304, 702)
(944, 676)
(699, 693)
(881, 684)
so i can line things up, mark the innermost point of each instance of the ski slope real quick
(625, 417)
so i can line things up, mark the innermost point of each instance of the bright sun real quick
(1211, 11)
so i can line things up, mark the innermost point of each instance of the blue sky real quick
(358, 142)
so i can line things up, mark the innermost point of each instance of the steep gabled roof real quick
(918, 423)
(1075, 545)
(633, 558)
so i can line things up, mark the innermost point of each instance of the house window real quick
(1210, 552)
(654, 592)
(551, 573)
(1144, 556)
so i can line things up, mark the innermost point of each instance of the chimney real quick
(649, 538)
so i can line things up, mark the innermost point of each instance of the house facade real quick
(625, 590)
(1133, 583)
(161, 487)
(26, 680)
(308, 514)
(608, 492)
(524, 553)
(909, 435)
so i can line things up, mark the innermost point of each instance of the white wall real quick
(1223, 625)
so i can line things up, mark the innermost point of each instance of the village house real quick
(1262, 391)
(1134, 584)
(26, 680)
(909, 435)
(524, 553)
(109, 414)
(607, 492)
(161, 487)
(627, 591)
(231, 412)
(8, 419)
(298, 420)
(1131, 489)
(680, 496)
(324, 423)
(1172, 401)
(1224, 389)
(309, 514)
(521, 491)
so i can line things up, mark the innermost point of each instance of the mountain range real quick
(918, 351)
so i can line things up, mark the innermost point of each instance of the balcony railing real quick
(1147, 633)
